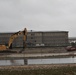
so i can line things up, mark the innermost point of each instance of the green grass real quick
(52, 71)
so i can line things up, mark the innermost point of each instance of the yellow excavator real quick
(11, 39)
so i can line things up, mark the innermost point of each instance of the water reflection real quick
(11, 62)
(38, 61)
(52, 61)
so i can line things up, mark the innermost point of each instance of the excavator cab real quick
(3, 47)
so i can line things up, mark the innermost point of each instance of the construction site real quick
(34, 39)
(35, 50)
(33, 42)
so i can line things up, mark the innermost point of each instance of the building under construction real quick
(38, 38)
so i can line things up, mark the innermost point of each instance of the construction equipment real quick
(11, 39)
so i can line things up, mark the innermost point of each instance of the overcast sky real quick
(40, 15)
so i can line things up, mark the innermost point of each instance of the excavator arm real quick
(15, 35)
(11, 39)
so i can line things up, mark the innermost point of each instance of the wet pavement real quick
(38, 54)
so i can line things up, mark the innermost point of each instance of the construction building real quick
(38, 38)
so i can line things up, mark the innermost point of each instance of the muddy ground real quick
(32, 67)
(45, 50)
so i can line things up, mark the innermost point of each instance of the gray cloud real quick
(38, 15)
